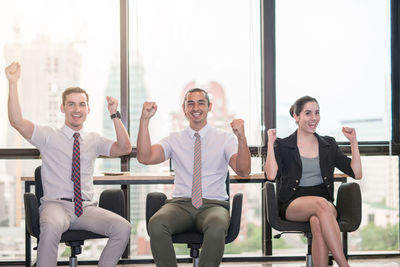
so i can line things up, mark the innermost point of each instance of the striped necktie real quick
(197, 200)
(76, 175)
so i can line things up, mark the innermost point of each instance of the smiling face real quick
(308, 118)
(196, 108)
(75, 109)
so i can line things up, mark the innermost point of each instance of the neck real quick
(305, 136)
(75, 128)
(197, 127)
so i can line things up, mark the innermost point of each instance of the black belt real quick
(68, 199)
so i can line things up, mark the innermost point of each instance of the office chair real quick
(194, 240)
(348, 206)
(110, 199)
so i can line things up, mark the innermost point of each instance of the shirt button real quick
(328, 185)
(297, 181)
(325, 178)
(294, 188)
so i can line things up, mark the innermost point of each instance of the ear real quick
(296, 118)
(88, 109)
(62, 108)
(210, 107)
(183, 109)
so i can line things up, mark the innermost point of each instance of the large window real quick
(339, 53)
(179, 45)
(59, 44)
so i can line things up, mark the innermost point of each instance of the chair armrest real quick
(273, 217)
(349, 205)
(154, 201)
(236, 217)
(113, 200)
(272, 206)
(31, 214)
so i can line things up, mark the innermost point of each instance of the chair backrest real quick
(227, 183)
(38, 183)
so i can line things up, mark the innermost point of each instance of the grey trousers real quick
(178, 215)
(57, 216)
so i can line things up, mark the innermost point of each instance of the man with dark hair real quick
(201, 155)
(68, 156)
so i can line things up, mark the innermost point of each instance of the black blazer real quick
(290, 168)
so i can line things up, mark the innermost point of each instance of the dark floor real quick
(390, 262)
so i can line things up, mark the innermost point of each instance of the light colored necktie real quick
(197, 199)
(76, 175)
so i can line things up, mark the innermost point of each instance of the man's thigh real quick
(55, 214)
(96, 219)
(213, 216)
(173, 216)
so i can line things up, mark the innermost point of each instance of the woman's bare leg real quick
(319, 248)
(302, 208)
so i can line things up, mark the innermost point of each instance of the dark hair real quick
(298, 106)
(72, 90)
(197, 90)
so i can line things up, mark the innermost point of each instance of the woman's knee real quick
(323, 206)
(315, 224)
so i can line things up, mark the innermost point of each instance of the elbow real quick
(15, 124)
(128, 149)
(243, 173)
(141, 160)
(270, 176)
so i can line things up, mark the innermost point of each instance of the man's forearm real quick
(243, 160)
(123, 139)
(14, 107)
(143, 146)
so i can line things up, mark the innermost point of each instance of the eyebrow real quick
(192, 101)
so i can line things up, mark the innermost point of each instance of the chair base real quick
(195, 262)
(73, 261)
(309, 260)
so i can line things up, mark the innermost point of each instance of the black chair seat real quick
(73, 235)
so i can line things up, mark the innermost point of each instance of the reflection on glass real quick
(339, 53)
(179, 45)
(59, 44)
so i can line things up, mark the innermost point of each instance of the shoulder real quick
(174, 137)
(212, 131)
(45, 130)
(288, 142)
(326, 139)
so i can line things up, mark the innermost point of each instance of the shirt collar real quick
(203, 131)
(69, 133)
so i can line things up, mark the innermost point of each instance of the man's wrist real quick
(116, 115)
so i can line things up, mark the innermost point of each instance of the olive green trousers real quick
(178, 215)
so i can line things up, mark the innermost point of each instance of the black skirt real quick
(303, 191)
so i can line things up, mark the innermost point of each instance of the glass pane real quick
(12, 213)
(178, 45)
(339, 53)
(68, 45)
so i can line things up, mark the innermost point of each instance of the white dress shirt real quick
(56, 146)
(217, 147)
